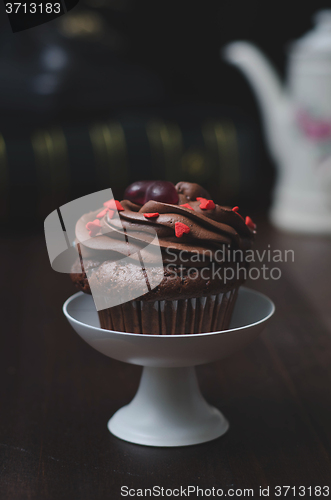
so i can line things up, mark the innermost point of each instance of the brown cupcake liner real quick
(171, 317)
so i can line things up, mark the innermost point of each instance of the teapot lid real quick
(317, 42)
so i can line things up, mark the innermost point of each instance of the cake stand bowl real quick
(168, 408)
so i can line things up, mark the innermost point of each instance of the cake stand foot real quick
(168, 410)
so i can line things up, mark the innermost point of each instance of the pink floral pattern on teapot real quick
(316, 129)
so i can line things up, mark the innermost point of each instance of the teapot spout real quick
(265, 81)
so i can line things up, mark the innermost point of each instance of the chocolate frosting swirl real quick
(209, 229)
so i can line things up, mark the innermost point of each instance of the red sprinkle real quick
(186, 205)
(236, 210)
(110, 204)
(113, 205)
(93, 227)
(151, 215)
(181, 228)
(102, 213)
(250, 223)
(206, 204)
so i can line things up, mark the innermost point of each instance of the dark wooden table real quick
(57, 393)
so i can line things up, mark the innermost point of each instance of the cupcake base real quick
(172, 317)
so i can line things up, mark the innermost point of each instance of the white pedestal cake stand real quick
(168, 408)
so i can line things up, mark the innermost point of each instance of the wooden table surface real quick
(57, 393)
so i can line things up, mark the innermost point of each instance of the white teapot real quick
(297, 122)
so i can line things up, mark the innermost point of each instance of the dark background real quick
(131, 62)
(174, 45)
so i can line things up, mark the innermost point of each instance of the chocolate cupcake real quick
(203, 248)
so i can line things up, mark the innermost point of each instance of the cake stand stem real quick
(168, 410)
